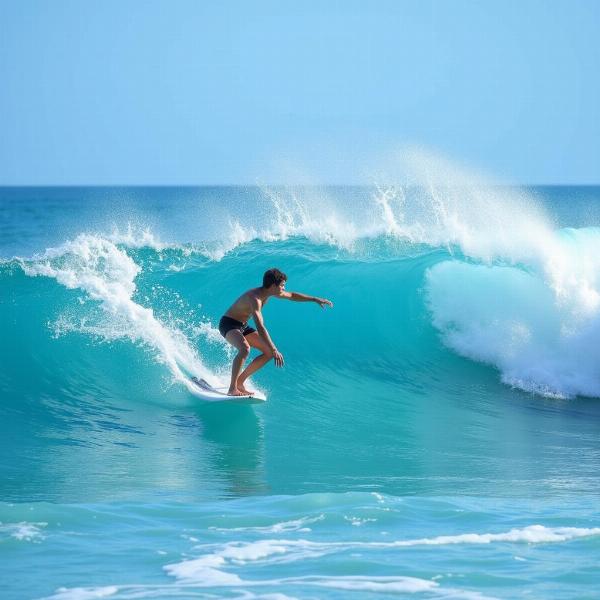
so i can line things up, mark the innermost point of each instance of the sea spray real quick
(107, 275)
(521, 294)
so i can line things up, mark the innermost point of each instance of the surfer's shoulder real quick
(254, 298)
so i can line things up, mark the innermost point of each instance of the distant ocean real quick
(435, 435)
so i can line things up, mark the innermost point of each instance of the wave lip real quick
(540, 335)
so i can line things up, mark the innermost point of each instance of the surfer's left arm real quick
(298, 297)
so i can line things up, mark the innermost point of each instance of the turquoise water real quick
(435, 434)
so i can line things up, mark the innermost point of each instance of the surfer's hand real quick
(278, 358)
(323, 302)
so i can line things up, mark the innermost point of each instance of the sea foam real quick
(107, 274)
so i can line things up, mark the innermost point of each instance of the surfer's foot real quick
(236, 392)
(244, 390)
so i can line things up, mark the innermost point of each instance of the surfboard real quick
(203, 389)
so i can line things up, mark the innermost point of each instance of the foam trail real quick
(107, 274)
(207, 569)
(84, 593)
(395, 585)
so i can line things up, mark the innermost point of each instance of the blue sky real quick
(191, 92)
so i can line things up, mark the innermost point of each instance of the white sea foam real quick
(358, 521)
(389, 585)
(213, 568)
(294, 212)
(236, 236)
(84, 593)
(210, 333)
(150, 591)
(311, 213)
(285, 526)
(425, 200)
(513, 320)
(207, 568)
(107, 274)
(135, 237)
(434, 201)
(396, 584)
(528, 300)
(533, 534)
(24, 531)
(203, 572)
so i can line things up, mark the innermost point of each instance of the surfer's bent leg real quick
(260, 361)
(237, 340)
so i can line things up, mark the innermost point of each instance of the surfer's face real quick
(276, 288)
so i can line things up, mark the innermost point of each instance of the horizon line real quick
(259, 185)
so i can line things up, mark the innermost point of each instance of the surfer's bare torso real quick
(246, 305)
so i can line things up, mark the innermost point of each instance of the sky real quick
(185, 92)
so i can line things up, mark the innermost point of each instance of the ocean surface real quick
(435, 435)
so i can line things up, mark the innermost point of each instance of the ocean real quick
(434, 435)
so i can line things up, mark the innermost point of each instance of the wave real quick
(484, 265)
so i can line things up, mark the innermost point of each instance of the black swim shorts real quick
(226, 324)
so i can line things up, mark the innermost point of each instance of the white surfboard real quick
(203, 389)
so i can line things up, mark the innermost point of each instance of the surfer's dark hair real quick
(273, 276)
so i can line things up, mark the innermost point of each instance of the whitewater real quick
(434, 435)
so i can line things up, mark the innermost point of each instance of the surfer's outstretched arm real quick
(298, 297)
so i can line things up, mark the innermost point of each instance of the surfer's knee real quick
(244, 351)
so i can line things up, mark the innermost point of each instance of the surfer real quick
(234, 327)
